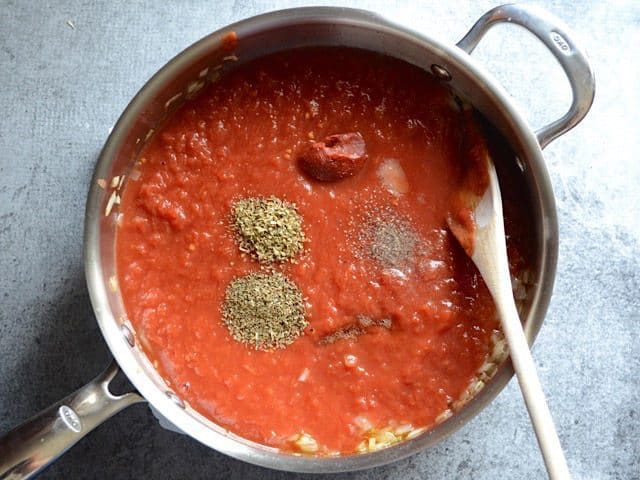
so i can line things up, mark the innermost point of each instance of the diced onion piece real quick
(444, 415)
(363, 423)
(171, 100)
(416, 433)
(386, 437)
(393, 177)
(500, 349)
(403, 429)
(304, 375)
(372, 444)
(306, 443)
(350, 360)
(110, 203)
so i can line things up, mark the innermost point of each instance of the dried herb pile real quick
(268, 228)
(264, 310)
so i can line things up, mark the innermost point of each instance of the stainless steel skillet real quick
(30, 447)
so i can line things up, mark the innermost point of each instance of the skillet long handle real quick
(32, 446)
(557, 37)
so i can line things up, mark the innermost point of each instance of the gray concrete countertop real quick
(67, 70)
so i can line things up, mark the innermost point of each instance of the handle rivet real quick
(128, 335)
(175, 399)
(441, 73)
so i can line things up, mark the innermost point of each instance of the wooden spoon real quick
(488, 251)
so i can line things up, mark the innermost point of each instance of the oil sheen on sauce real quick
(176, 252)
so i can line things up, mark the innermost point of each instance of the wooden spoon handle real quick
(532, 391)
(490, 257)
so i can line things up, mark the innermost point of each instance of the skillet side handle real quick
(32, 446)
(557, 37)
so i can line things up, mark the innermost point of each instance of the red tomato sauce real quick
(177, 252)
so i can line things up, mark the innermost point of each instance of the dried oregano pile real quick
(265, 310)
(268, 228)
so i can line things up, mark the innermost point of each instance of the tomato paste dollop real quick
(397, 320)
(338, 156)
